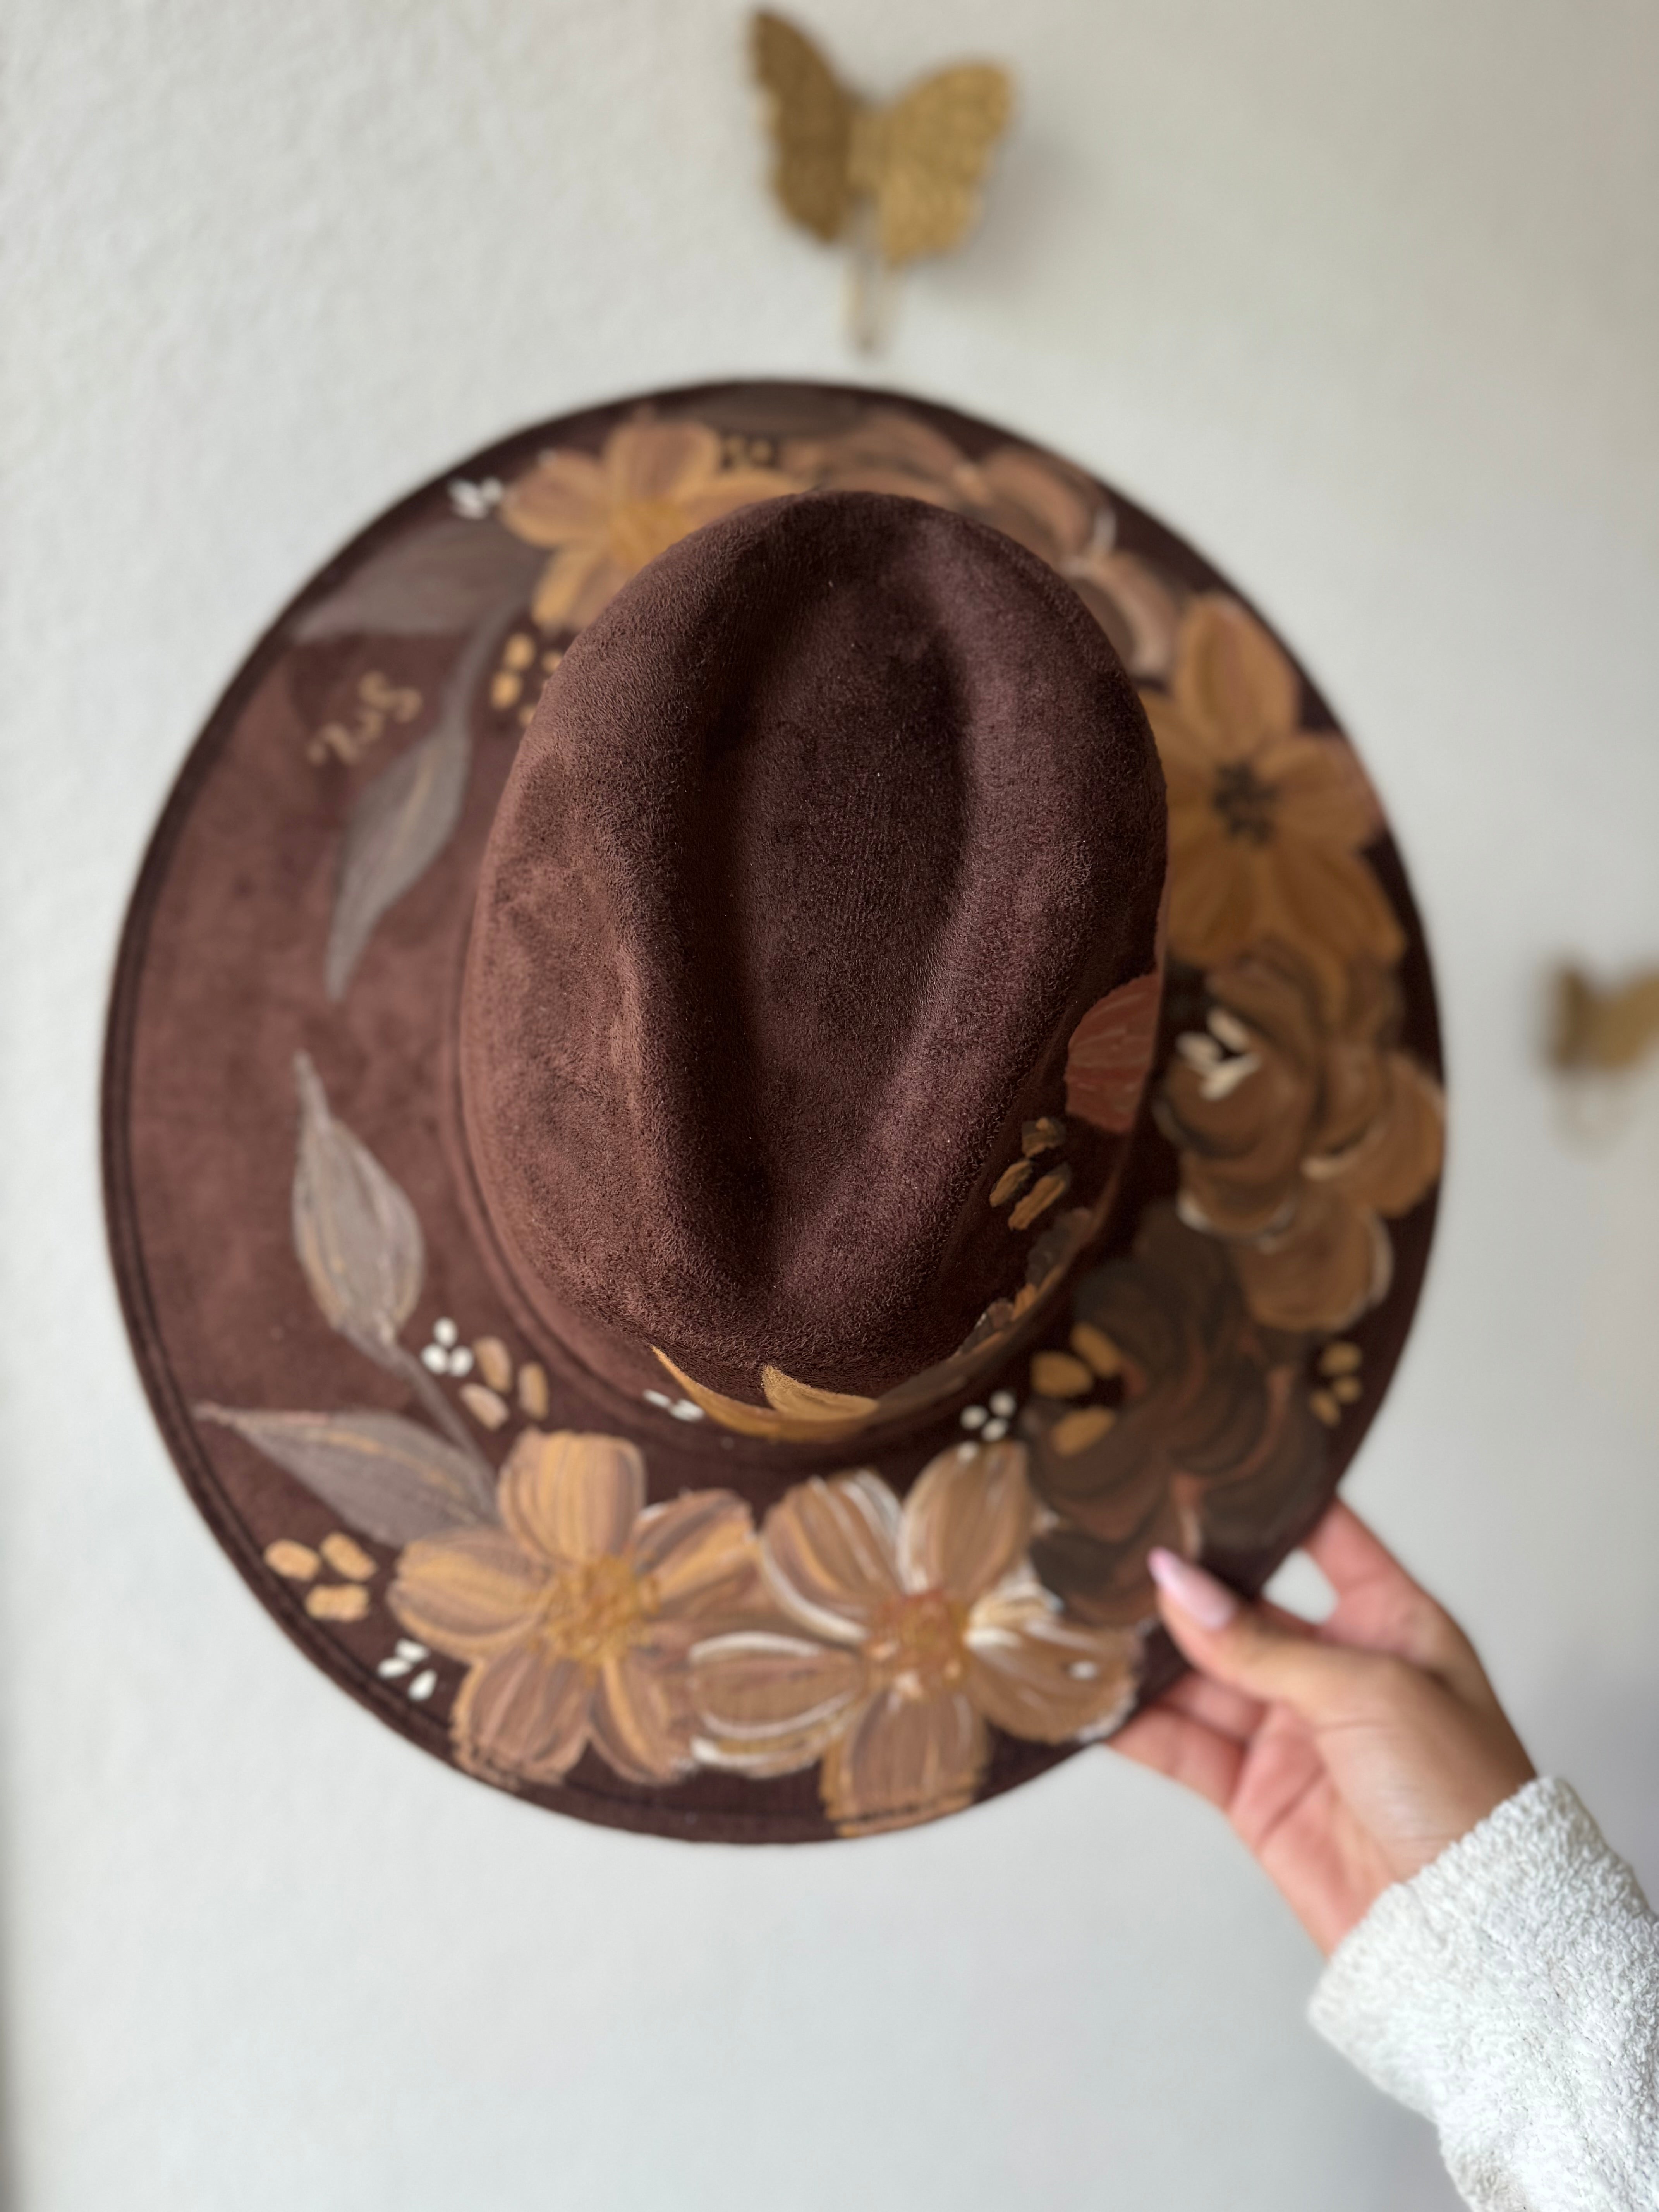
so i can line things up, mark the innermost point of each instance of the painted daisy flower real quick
(1267, 822)
(577, 1614)
(606, 516)
(908, 1630)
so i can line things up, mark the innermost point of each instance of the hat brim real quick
(308, 891)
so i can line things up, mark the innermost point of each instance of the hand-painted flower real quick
(1299, 1127)
(1053, 511)
(1110, 1055)
(577, 1614)
(1267, 821)
(1176, 1419)
(909, 1628)
(607, 516)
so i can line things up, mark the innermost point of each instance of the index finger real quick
(1379, 1607)
(1353, 1559)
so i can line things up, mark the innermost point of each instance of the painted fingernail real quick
(1211, 1603)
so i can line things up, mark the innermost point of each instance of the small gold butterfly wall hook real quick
(895, 182)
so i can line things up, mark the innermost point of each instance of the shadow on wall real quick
(11, 2194)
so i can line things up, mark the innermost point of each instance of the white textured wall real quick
(1366, 301)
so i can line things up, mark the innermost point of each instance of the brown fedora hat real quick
(767, 1034)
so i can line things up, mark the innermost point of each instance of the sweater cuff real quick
(1507, 1987)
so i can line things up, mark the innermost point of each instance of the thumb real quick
(1244, 1646)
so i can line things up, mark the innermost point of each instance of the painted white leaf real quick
(387, 1476)
(436, 582)
(399, 825)
(356, 1232)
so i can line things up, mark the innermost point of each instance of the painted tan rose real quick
(1301, 1126)
(1173, 1417)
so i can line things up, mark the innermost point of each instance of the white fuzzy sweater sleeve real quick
(1510, 1991)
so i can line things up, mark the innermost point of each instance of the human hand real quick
(1346, 1756)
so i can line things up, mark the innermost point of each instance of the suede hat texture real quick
(823, 841)
(767, 1035)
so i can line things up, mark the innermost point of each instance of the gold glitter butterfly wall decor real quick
(893, 183)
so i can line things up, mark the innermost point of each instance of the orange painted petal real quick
(1331, 1265)
(1272, 991)
(640, 1720)
(1144, 606)
(1040, 1676)
(1216, 909)
(1231, 680)
(746, 1420)
(771, 1705)
(1189, 755)
(596, 594)
(1331, 907)
(698, 1552)
(966, 1521)
(567, 1496)
(468, 1595)
(521, 1717)
(1057, 511)
(658, 460)
(567, 587)
(1110, 1055)
(1324, 794)
(905, 1760)
(884, 440)
(1222, 1207)
(804, 1401)
(561, 502)
(1356, 1098)
(734, 1413)
(1399, 1156)
(901, 437)
(726, 494)
(830, 1552)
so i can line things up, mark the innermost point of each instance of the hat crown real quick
(824, 838)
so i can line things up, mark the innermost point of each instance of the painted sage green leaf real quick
(355, 1231)
(387, 1476)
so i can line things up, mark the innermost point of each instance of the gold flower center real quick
(1244, 803)
(642, 528)
(916, 1645)
(595, 1611)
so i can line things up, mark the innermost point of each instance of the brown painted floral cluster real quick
(1175, 1416)
(1185, 1412)
(1301, 1125)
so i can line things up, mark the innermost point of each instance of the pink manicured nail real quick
(1211, 1603)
